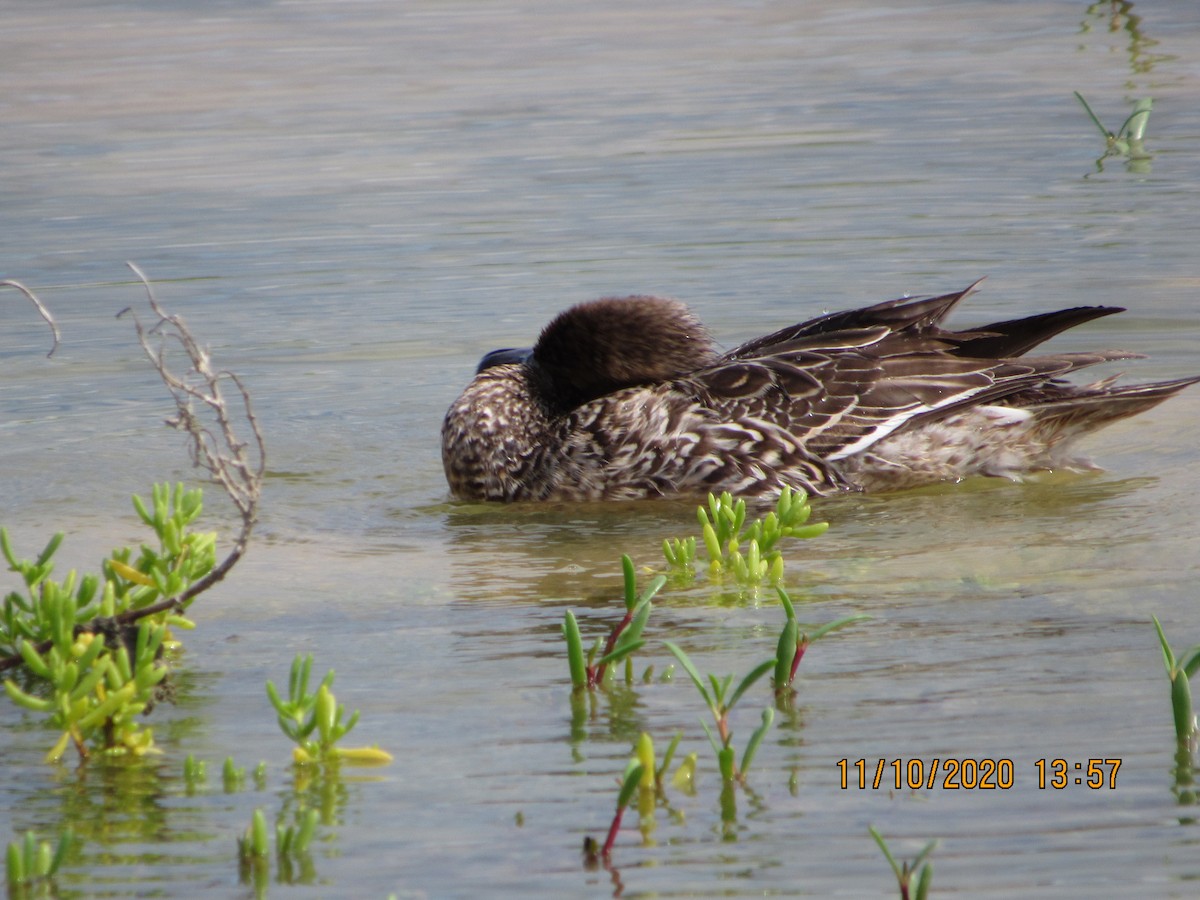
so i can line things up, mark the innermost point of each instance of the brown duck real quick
(629, 398)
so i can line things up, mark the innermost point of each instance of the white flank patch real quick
(1005, 415)
(886, 427)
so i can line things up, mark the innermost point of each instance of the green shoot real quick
(795, 639)
(254, 842)
(232, 777)
(588, 672)
(629, 786)
(904, 871)
(31, 861)
(684, 778)
(194, 773)
(720, 701)
(654, 772)
(303, 714)
(1179, 671)
(291, 845)
(1128, 139)
(293, 840)
(680, 554)
(725, 533)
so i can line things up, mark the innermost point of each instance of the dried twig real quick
(45, 313)
(236, 465)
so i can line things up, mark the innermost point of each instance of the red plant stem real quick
(606, 851)
(609, 644)
(800, 648)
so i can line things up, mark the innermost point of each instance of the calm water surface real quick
(351, 202)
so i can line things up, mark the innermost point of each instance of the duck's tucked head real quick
(502, 436)
(604, 345)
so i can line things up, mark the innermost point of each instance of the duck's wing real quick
(908, 315)
(1016, 337)
(839, 393)
(923, 317)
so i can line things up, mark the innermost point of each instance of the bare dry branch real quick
(236, 465)
(45, 313)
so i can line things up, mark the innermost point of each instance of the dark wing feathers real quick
(905, 315)
(1016, 337)
(844, 380)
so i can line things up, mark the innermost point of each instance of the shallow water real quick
(351, 202)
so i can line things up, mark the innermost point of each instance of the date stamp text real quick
(970, 774)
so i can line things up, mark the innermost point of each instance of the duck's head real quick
(504, 435)
(601, 346)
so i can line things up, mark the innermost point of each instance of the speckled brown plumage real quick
(628, 398)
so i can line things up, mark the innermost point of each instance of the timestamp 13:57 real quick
(964, 773)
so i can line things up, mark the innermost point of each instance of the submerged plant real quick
(233, 777)
(253, 848)
(795, 639)
(905, 871)
(30, 861)
(588, 671)
(1179, 671)
(720, 702)
(293, 840)
(254, 843)
(195, 773)
(303, 714)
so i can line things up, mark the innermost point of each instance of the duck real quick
(629, 398)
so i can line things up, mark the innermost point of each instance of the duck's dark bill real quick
(504, 358)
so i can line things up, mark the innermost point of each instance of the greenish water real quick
(350, 203)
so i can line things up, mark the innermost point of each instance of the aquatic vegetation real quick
(89, 651)
(905, 871)
(253, 847)
(293, 840)
(794, 640)
(233, 777)
(90, 645)
(290, 840)
(680, 554)
(255, 842)
(1179, 671)
(304, 713)
(721, 702)
(195, 774)
(625, 639)
(29, 861)
(725, 532)
(629, 786)
(683, 775)
(643, 778)
(1128, 140)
